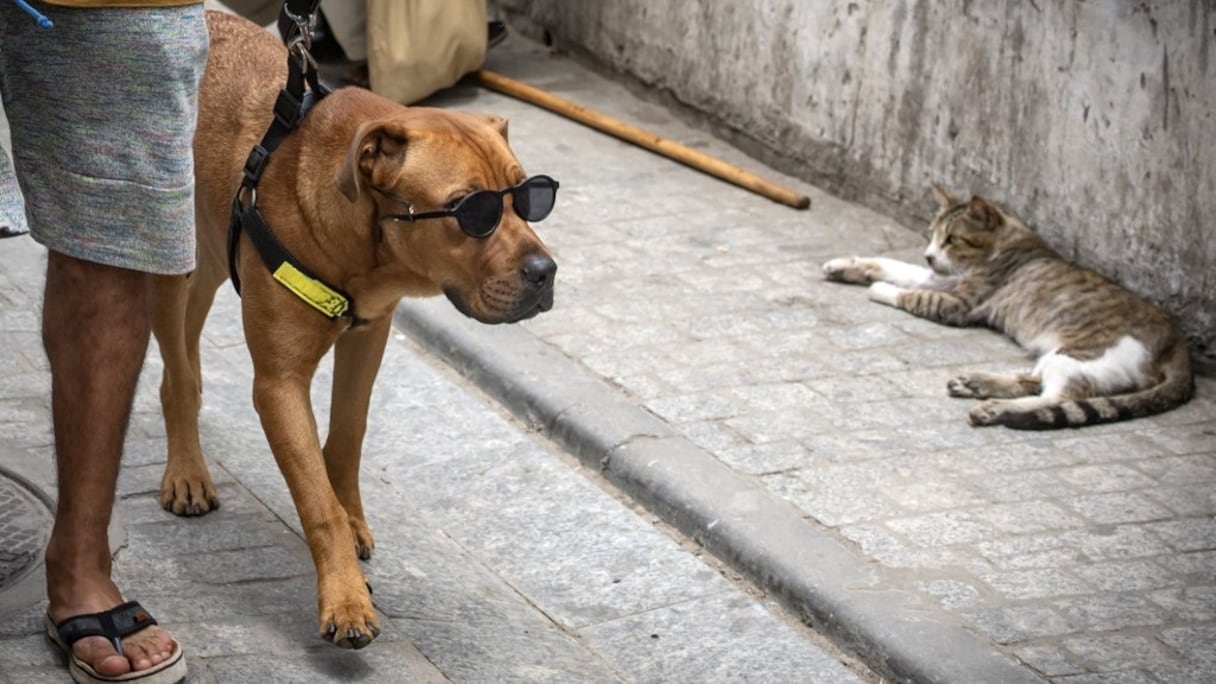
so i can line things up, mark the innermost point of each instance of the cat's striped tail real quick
(1175, 389)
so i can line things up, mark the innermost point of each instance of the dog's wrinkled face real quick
(427, 160)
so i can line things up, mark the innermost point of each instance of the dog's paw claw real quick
(352, 637)
(185, 502)
(188, 496)
(350, 623)
(364, 542)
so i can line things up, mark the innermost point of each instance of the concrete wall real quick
(1095, 121)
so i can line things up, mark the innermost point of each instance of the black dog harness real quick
(290, 107)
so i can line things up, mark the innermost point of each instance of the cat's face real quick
(964, 233)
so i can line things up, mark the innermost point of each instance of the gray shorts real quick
(102, 110)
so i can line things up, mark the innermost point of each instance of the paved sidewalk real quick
(498, 558)
(799, 431)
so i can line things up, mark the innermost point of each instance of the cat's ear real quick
(944, 198)
(983, 212)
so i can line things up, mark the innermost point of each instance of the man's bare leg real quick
(95, 328)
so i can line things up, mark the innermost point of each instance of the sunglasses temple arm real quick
(428, 215)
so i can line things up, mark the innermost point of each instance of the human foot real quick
(120, 644)
(89, 623)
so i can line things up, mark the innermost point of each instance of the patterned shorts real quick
(102, 110)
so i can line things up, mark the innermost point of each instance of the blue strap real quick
(38, 16)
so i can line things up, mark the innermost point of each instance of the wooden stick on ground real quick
(632, 134)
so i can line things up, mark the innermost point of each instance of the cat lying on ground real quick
(1103, 353)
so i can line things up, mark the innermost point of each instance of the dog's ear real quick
(376, 151)
(498, 123)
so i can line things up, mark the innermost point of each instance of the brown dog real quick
(353, 159)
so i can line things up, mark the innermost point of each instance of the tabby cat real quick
(1103, 353)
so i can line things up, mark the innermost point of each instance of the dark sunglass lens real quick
(479, 213)
(533, 200)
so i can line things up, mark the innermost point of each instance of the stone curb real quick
(736, 519)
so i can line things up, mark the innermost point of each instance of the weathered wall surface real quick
(1095, 121)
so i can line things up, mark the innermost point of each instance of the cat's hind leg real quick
(863, 271)
(1063, 383)
(994, 385)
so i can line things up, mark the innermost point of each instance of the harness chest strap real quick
(293, 275)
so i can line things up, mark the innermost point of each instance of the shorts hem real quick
(114, 222)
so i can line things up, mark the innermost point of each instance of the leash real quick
(39, 17)
(302, 90)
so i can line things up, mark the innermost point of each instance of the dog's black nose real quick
(538, 271)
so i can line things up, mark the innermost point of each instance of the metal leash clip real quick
(298, 47)
(300, 44)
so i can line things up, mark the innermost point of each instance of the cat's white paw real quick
(963, 386)
(985, 414)
(885, 293)
(848, 270)
(835, 268)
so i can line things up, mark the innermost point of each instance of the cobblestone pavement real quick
(498, 559)
(1084, 555)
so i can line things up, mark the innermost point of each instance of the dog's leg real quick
(346, 616)
(357, 357)
(181, 306)
(283, 369)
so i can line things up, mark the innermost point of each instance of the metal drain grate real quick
(25, 526)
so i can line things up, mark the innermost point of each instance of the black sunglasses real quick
(479, 213)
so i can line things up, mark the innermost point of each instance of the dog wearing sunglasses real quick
(379, 201)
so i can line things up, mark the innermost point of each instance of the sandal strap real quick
(113, 624)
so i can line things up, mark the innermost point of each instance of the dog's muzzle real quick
(507, 302)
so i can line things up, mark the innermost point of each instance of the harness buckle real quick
(255, 164)
(244, 192)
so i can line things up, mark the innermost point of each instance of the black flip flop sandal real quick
(113, 624)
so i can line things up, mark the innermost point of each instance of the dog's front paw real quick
(188, 494)
(850, 270)
(347, 618)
